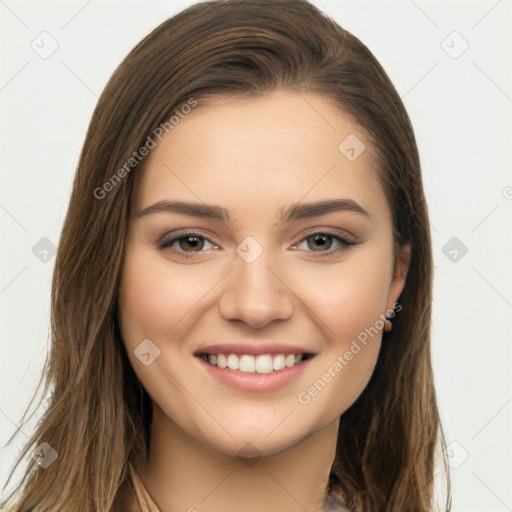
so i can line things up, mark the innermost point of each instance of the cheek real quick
(352, 329)
(349, 299)
(348, 304)
(153, 299)
(362, 307)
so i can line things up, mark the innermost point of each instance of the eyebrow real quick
(294, 212)
(187, 208)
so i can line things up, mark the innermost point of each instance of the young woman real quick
(242, 294)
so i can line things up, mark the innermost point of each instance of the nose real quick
(256, 294)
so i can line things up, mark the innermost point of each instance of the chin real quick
(257, 440)
(252, 449)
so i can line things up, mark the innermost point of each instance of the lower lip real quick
(256, 382)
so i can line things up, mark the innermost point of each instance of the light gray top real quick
(333, 503)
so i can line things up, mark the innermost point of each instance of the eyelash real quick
(167, 243)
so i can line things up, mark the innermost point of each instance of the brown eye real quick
(186, 244)
(320, 241)
(191, 242)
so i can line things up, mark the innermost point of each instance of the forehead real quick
(270, 150)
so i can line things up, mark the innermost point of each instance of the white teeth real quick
(278, 363)
(248, 363)
(289, 360)
(222, 361)
(264, 363)
(233, 362)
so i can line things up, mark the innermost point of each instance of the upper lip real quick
(252, 348)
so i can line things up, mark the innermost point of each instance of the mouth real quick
(255, 363)
(263, 370)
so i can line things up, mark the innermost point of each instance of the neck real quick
(183, 474)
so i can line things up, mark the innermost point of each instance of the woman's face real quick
(259, 268)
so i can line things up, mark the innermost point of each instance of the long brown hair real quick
(98, 408)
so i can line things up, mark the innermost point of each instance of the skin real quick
(254, 158)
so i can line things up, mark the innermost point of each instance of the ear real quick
(401, 267)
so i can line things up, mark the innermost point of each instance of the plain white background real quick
(450, 62)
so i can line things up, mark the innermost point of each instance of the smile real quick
(254, 373)
(249, 363)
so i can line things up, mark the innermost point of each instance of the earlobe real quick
(402, 261)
